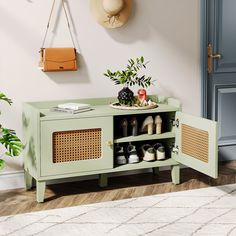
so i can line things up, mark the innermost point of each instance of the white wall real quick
(166, 32)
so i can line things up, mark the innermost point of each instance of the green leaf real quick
(11, 142)
(5, 98)
(2, 164)
(130, 75)
(142, 59)
(109, 72)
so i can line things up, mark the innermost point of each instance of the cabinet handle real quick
(109, 144)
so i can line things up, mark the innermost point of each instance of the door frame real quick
(203, 56)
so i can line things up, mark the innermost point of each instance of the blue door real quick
(219, 85)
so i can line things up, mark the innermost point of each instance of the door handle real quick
(216, 56)
(210, 58)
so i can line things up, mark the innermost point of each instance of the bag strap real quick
(49, 20)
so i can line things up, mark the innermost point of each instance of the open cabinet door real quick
(196, 143)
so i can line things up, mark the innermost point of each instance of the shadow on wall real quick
(134, 30)
(14, 28)
(72, 25)
(169, 20)
(17, 30)
(69, 77)
(72, 77)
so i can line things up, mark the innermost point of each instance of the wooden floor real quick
(87, 192)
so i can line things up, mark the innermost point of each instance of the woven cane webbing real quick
(195, 142)
(76, 145)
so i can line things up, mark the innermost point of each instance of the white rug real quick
(208, 211)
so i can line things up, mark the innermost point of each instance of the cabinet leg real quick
(155, 170)
(175, 174)
(103, 180)
(28, 180)
(40, 190)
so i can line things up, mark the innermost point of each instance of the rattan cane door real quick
(76, 145)
(196, 143)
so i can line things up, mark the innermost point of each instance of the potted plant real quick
(128, 77)
(8, 138)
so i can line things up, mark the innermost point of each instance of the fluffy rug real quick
(208, 211)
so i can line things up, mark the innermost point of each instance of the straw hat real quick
(111, 13)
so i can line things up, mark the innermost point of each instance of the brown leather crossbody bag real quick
(58, 59)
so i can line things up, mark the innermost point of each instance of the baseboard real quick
(12, 180)
(15, 180)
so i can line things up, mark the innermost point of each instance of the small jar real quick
(142, 95)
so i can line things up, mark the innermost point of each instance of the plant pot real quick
(126, 97)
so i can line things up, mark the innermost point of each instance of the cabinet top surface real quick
(100, 108)
(101, 111)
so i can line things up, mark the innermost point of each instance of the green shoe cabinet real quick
(62, 145)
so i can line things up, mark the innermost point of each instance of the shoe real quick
(133, 157)
(134, 126)
(148, 152)
(120, 156)
(124, 127)
(147, 125)
(158, 123)
(160, 151)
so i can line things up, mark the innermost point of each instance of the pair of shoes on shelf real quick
(131, 153)
(152, 153)
(133, 124)
(149, 123)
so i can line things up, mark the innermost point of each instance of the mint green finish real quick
(39, 123)
(145, 165)
(47, 167)
(147, 137)
(210, 168)
(103, 180)
(40, 190)
(28, 180)
(31, 139)
(175, 174)
(104, 110)
(174, 102)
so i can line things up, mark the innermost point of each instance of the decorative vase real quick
(126, 96)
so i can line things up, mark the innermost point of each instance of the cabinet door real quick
(196, 143)
(76, 145)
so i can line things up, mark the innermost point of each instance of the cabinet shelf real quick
(144, 137)
(145, 164)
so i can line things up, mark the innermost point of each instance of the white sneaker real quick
(160, 151)
(120, 156)
(148, 152)
(133, 157)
